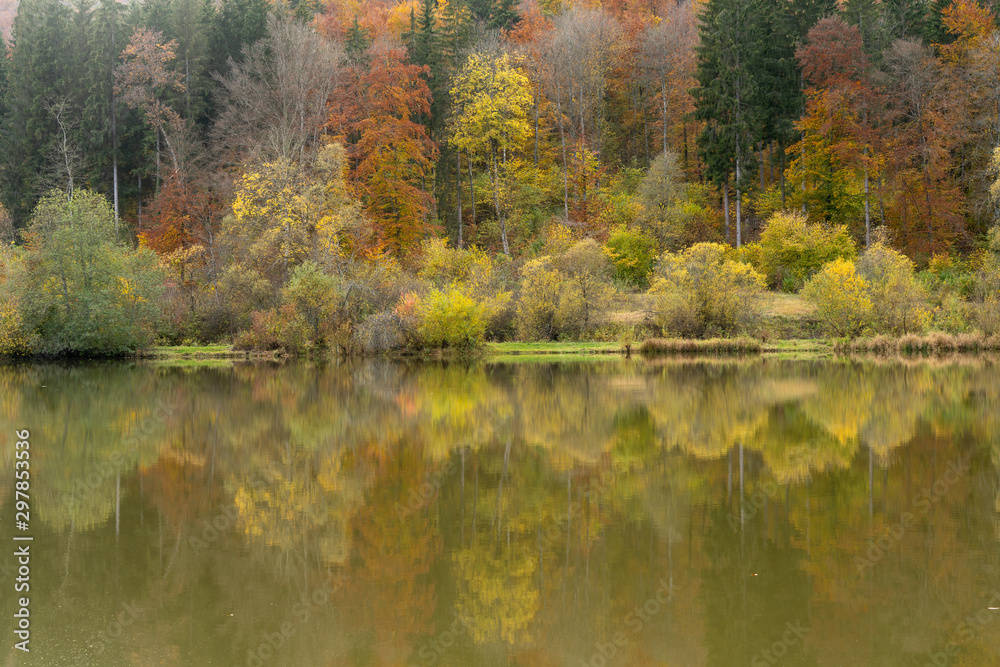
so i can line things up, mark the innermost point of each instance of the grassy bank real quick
(934, 344)
(916, 345)
(192, 352)
(552, 347)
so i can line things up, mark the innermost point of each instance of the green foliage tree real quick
(792, 250)
(701, 292)
(314, 296)
(633, 253)
(84, 292)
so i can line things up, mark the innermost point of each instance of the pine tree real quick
(356, 42)
(236, 25)
(728, 98)
(192, 21)
(504, 15)
(38, 75)
(102, 112)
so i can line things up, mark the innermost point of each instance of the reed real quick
(936, 342)
(658, 347)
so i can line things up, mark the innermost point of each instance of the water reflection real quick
(537, 514)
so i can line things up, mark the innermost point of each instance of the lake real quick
(580, 513)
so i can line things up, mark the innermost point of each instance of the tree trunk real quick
(562, 140)
(536, 126)
(739, 199)
(868, 213)
(496, 203)
(114, 135)
(725, 205)
(458, 190)
(472, 188)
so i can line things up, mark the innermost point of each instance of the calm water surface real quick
(577, 514)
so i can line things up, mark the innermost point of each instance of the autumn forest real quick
(380, 176)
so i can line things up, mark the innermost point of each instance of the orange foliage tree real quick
(391, 152)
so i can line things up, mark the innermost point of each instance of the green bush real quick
(702, 293)
(82, 290)
(633, 253)
(841, 298)
(791, 250)
(451, 318)
(313, 295)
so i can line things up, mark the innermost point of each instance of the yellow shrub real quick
(540, 288)
(841, 298)
(14, 340)
(702, 292)
(899, 302)
(452, 318)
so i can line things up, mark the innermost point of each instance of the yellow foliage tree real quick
(491, 97)
(285, 212)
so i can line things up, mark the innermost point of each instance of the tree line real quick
(255, 147)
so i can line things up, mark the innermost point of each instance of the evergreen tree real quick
(728, 98)
(356, 42)
(504, 15)
(39, 73)
(236, 25)
(192, 20)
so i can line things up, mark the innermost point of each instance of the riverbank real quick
(795, 349)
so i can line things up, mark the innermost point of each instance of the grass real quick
(798, 348)
(788, 316)
(178, 352)
(656, 347)
(552, 347)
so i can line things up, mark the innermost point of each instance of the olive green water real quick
(579, 514)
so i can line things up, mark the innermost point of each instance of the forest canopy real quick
(248, 151)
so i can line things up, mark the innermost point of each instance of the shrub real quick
(792, 250)
(633, 253)
(482, 277)
(899, 302)
(14, 339)
(451, 318)
(564, 294)
(541, 286)
(986, 288)
(701, 292)
(380, 333)
(841, 298)
(275, 329)
(240, 292)
(82, 290)
(585, 269)
(313, 295)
